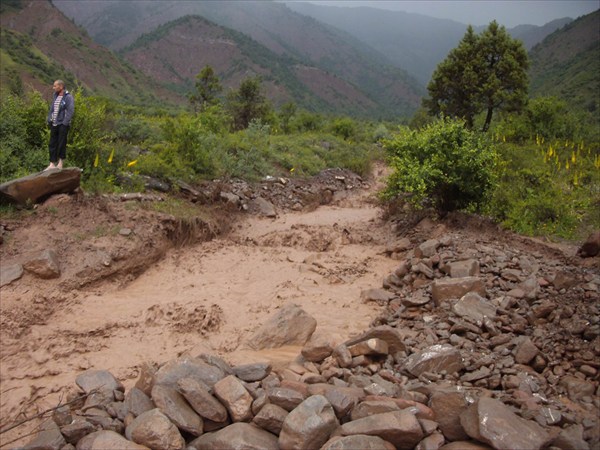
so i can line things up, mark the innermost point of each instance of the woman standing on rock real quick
(59, 118)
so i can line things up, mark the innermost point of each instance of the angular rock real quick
(49, 437)
(173, 405)
(342, 356)
(290, 326)
(435, 359)
(216, 361)
(343, 399)
(400, 428)
(371, 407)
(44, 265)
(448, 405)
(398, 246)
(461, 269)
(357, 442)
(286, 398)
(491, 421)
(309, 425)
(427, 249)
(252, 372)
(187, 367)
(386, 333)
(98, 380)
(577, 388)
(37, 187)
(448, 288)
(107, 440)
(270, 418)
(416, 298)
(145, 380)
(432, 442)
(137, 402)
(237, 436)
(564, 280)
(76, 430)
(317, 348)
(373, 347)
(200, 399)
(571, 438)
(475, 307)
(380, 296)
(234, 396)
(154, 430)
(8, 274)
(262, 207)
(525, 351)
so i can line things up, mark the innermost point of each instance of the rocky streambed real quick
(485, 340)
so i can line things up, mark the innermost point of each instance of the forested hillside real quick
(39, 44)
(176, 52)
(567, 63)
(273, 25)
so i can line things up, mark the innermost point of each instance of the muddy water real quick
(211, 298)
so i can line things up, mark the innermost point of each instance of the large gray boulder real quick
(290, 326)
(491, 421)
(309, 425)
(238, 436)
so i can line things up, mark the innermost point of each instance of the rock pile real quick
(478, 346)
(273, 193)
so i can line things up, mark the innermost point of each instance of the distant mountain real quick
(533, 34)
(567, 63)
(317, 47)
(39, 44)
(176, 52)
(413, 42)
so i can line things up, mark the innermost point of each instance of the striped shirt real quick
(55, 108)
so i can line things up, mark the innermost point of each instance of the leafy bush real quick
(445, 163)
(344, 127)
(546, 118)
(23, 135)
(88, 134)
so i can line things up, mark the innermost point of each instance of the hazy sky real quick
(481, 12)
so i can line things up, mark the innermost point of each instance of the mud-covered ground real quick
(139, 285)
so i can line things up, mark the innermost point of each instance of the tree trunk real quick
(488, 119)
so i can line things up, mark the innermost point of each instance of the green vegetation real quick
(536, 171)
(117, 145)
(485, 72)
(208, 87)
(445, 163)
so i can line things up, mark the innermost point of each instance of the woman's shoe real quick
(51, 166)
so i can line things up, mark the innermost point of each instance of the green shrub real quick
(344, 127)
(444, 163)
(23, 135)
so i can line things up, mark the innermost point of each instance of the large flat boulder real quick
(37, 187)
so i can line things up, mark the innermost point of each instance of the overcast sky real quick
(481, 12)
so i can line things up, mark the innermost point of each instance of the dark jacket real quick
(65, 110)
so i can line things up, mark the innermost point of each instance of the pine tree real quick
(208, 88)
(248, 103)
(484, 72)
